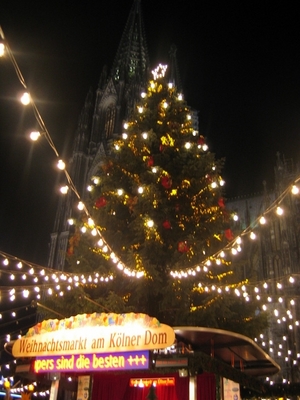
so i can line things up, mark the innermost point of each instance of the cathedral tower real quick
(101, 119)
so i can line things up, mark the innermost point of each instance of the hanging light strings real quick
(280, 306)
(61, 164)
(233, 247)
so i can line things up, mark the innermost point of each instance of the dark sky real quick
(239, 64)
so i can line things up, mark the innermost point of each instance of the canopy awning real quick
(235, 349)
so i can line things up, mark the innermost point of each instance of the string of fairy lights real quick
(56, 280)
(233, 247)
(30, 281)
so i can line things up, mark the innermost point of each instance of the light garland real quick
(37, 277)
(191, 271)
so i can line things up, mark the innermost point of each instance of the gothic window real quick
(110, 115)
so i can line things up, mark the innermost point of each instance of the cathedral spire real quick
(173, 71)
(132, 61)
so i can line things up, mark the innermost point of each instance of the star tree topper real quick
(159, 71)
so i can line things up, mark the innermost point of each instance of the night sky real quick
(239, 64)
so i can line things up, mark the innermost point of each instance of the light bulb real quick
(64, 189)
(61, 165)
(34, 135)
(252, 236)
(295, 189)
(262, 220)
(25, 98)
(2, 49)
(279, 210)
(80, 206)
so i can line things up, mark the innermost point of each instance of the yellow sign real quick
(94, 339)
(162, 381)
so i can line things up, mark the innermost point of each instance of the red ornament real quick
(166, 181)
(201, 140)
(132, 202)
(162, 147)
(221, 202)
(208, 177)
(107, 167)
(167, 224)
(228, 234)
(150, 161)
(183, 247)
(101, 202)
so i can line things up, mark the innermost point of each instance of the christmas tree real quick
(157, 203)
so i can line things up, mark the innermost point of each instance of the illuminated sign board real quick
(122, 361)
(94, 339)
(161, 381)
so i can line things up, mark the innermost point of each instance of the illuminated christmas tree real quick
(157, 204)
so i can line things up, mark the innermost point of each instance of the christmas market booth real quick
(133, 356)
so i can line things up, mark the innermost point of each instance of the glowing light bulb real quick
(295, 189)
(252, 236)
(279, 210)
(124, 136)
(235, 217)
(61, 165)
(91, 222)
(262, 220)
(80, 206)
(188, 145)
(150, 223)
(144, 135)
(64, 189)
(25, 99)
(2, 49)
(34, 135)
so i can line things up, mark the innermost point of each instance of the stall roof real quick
(229, 347)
